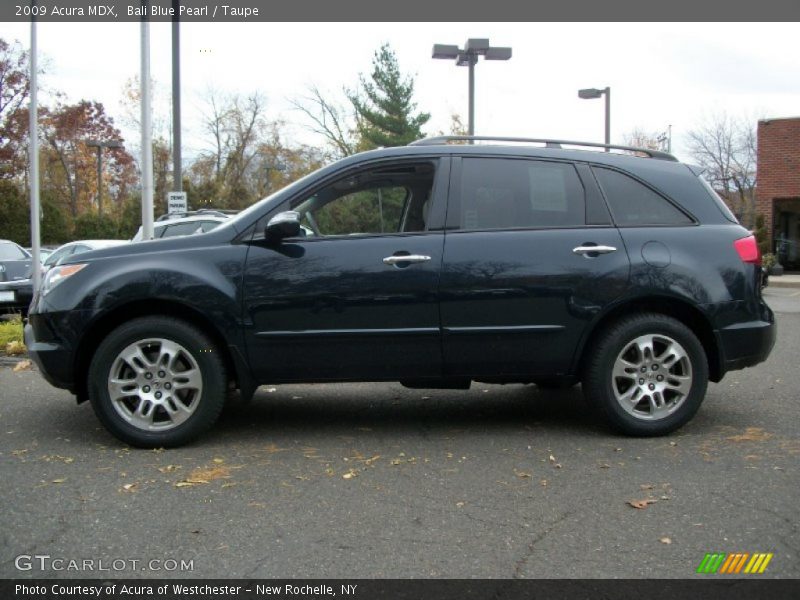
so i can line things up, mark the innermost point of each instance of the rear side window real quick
(506, 193)
(634, 204)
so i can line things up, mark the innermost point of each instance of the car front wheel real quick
(157, 382)
(647, 375)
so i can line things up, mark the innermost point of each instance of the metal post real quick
(177, 176)
(471, 127)
(607, 92)
(669, 139)
(36, 268)
(147, 134)
(99, 180)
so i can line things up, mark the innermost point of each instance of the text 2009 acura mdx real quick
(434, 265)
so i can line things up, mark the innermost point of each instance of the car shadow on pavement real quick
(390, 408)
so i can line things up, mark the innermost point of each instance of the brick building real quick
(778, 191)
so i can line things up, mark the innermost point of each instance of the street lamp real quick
(100, 145)
(591, 93)
(468, 57)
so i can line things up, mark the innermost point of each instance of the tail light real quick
(748, 250)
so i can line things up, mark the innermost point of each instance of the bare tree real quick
(329, 119)
(638, 137)
(725, 147)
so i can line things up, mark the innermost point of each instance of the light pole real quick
(591, 93)
(100, 145)
(468, 57)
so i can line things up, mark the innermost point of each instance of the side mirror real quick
(283, 225)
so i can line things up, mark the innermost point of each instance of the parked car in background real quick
(182, 226)
(435, 265)
(44, 252)
(16, 288)
(78, 247)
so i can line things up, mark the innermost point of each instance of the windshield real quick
(10, 251)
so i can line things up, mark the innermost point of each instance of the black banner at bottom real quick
(416, 589)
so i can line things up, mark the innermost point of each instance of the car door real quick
(520, 279)
(354, 298)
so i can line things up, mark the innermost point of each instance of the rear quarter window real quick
(633, 204)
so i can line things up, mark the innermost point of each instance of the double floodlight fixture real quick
(469, 54)
(468, 57)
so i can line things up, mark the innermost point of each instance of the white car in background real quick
(78, 247)
(198, 222)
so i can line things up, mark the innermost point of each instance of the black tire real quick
(209, 400)
(598, 380)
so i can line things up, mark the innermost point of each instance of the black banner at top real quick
(396, 10)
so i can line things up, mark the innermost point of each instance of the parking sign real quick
(176, 202)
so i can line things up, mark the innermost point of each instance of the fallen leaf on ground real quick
(169, 468)
(646, 486)
(350, 474)
(751, 434)
(15, 348)
(460, 504)
(522, 474)
(22, 365)
(642, 504)
(129, 487)
(61, 480)
(665, 540)
(185, 484)
(207, 474)
(218, 461)
(271, 448)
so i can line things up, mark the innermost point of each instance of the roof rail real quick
(444, 139)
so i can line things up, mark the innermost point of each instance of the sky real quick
(660, 74)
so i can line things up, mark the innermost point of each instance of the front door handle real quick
(405, 258)
(589, 250)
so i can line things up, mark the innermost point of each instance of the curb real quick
(778, 282)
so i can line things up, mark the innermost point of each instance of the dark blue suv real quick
(437, 264)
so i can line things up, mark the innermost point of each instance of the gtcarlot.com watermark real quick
(45, 562)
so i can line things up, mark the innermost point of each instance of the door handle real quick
(405, 258)
(587, 250)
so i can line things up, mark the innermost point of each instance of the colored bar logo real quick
(721, 563)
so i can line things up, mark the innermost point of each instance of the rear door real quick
(520, 279)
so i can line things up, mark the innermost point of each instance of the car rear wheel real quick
(647, 375)
(157, 381)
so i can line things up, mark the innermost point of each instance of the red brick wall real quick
(778, 167)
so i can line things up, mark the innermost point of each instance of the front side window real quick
(510, 193)
(633, 204)
(382, 200)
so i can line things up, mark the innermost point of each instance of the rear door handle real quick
(593, 249)
(405, 258)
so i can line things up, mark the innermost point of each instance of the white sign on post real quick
(176, 202)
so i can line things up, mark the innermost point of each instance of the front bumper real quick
(55, 360)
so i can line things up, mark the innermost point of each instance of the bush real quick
(762, 235)
(91, 226)
(768, 260)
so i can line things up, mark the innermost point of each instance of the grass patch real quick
(11, 331)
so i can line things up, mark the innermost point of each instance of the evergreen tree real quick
(384, 107)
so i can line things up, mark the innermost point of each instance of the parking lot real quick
(375, 480)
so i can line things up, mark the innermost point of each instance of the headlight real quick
(58, 274)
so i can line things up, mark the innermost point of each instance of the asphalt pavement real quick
(375, 480)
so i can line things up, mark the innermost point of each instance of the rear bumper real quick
(746, 344)
(22, 295)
